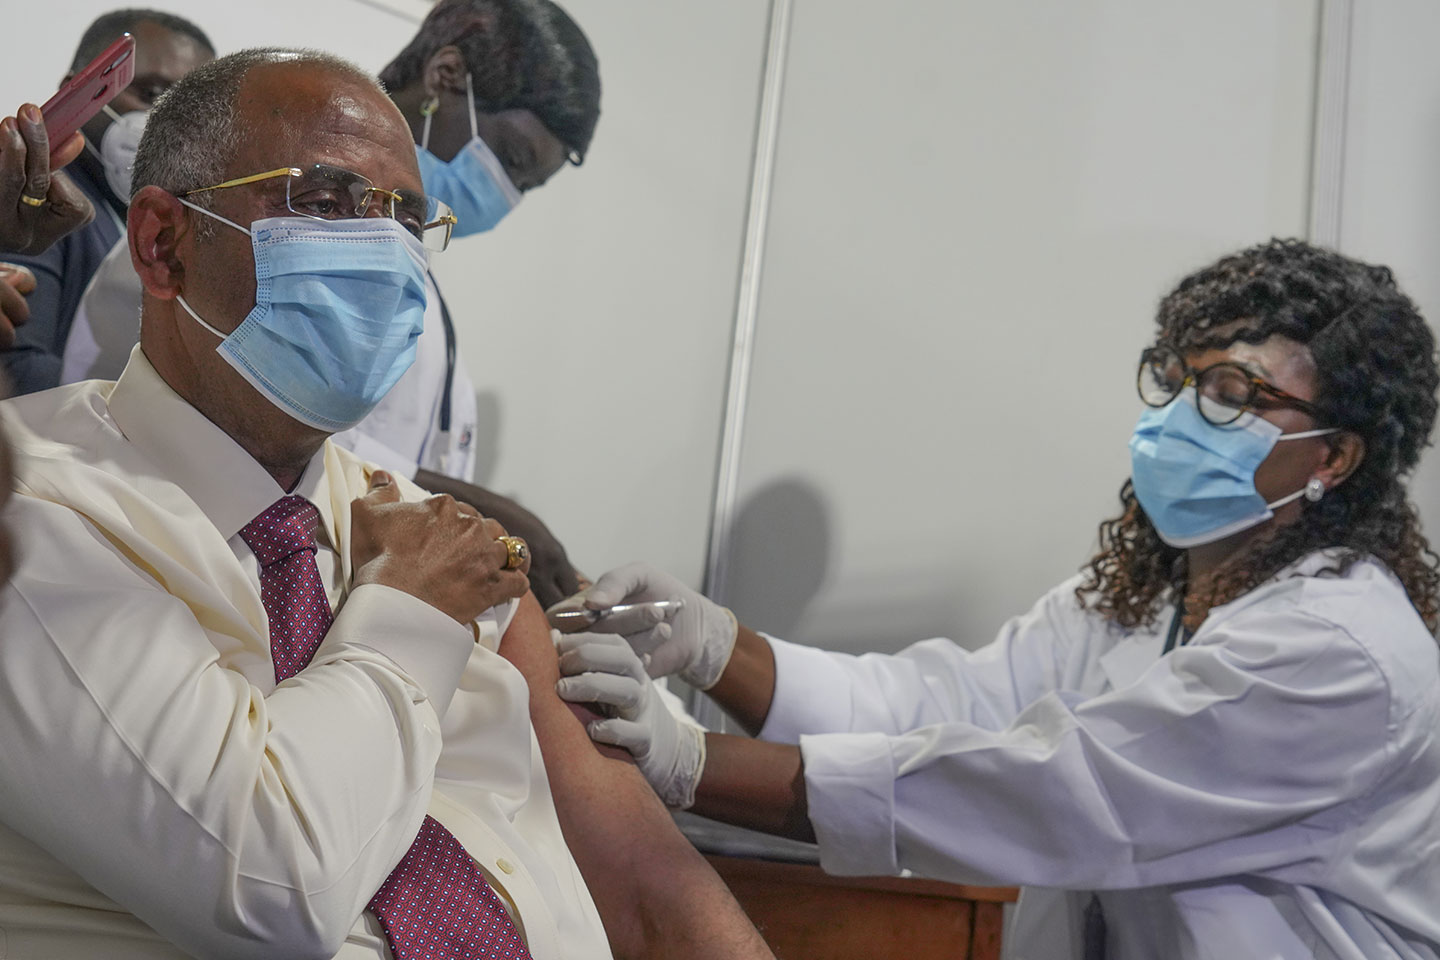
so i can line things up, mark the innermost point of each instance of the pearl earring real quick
(1314, 489)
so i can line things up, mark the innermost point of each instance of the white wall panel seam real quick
(1332, 96)
(747, 300)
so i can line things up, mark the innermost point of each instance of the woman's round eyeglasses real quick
(1224, 391)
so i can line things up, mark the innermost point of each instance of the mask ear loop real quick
(1314, 488)
(196, 317)
(94, 151)
(180, 296)
(427, 110)
(212, 214)
(470, 95)
(1306, 434)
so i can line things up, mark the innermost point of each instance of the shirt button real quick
(505, 865)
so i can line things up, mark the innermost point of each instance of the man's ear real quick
(445, 71)
(156, 225)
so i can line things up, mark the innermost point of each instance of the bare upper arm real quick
(656, 895)
(528, 646)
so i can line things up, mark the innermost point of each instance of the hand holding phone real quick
(37, 206)
(84, 94)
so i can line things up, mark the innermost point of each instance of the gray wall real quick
(977, 206)
(1390, 199)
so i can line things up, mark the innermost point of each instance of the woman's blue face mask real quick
(473, 182)
(1195, 480)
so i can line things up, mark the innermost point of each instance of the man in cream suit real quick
(218, 744)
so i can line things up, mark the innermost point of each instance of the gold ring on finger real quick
(25, 198)
(517, 551)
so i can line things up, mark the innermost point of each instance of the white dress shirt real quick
(161, 794)
(1270, 789)
(402, 434)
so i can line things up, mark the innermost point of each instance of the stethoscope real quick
(449, 357)
(1174, 638)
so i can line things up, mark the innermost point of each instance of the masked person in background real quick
(1220, 738)
(499, 96)
(166, 48)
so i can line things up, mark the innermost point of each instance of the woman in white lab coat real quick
(1220, 737)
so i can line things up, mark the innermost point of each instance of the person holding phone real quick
(1219, 740)
(40, 206)
(166, 48)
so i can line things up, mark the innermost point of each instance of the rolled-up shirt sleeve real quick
(388, 621)
(1235, 755)
(233, 820)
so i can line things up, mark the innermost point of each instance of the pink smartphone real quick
(89, 90)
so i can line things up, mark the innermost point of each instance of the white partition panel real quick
(1390, 202)
(977, 206)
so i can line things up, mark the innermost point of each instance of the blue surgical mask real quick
(339, 305)
(1196, 481)
(473, 182)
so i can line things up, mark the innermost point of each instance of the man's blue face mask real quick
(339, 305)
(473, 182)
(1196, 481)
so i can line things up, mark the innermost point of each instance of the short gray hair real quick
(193, 131)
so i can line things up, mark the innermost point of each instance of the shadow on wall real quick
(487, 436)
(779, 553)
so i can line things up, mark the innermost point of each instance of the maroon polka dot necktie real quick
(436, 904)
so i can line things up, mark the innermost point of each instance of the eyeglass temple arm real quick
(1275, 391)
(254, 177)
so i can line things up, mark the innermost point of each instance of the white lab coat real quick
(1269, 790)
(404, 432)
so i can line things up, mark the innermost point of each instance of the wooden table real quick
(806, 914)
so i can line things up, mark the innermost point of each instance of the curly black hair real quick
(522, 54)
(1376, 375)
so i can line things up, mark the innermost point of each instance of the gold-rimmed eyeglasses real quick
(324, 192)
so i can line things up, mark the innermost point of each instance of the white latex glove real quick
(600, 668)
(695, 642)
